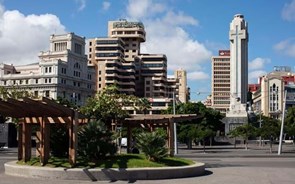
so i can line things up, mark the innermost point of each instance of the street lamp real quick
(282, 124)
(174, 126)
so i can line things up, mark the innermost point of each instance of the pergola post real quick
(129, 138)
(171, 137)
(73, 139)
(44, 138)
(20, 141)
(24, 142)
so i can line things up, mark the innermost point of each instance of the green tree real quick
(290, 122)
(270, 129)
(245, 131)
(107, 105)
(203, 133)
(14, 92)
(142, 105)
(208, 119)
(152, 144)
(234, 134)
(95, 141)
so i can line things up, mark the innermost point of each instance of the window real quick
(36, 94)
(47, 93)
(90, 43)
(27, 81)
(99, 79)
(46, 70)
(36, 81)
(78, 48)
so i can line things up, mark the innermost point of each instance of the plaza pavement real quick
(224, 165)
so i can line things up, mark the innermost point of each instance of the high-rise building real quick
(118, 61)
(238, 36)
(61, 72)
(220, 81)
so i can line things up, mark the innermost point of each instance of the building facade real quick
(220, 81)
(268, 100)
(61, 72)
(118, 61)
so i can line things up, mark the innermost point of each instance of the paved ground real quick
(223, 165)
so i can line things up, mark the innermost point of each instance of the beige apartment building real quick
(118, 61)
(220, 84)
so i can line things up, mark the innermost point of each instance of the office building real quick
(220, 81)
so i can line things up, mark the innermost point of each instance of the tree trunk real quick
(270, 146)
(246, 143)
(210, 141)
(235, 143)
(189, 144)
(204, 146)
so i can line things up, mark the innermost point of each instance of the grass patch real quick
(117, 161)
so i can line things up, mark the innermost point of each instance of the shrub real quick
(95, 141)
(59, 140)
(152, 144)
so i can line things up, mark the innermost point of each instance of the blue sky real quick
(189, 32)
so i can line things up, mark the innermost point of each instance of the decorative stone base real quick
(197, 169)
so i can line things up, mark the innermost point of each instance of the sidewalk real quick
(227, 151)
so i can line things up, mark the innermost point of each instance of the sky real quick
(189, 32)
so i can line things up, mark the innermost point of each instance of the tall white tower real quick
(238, 36)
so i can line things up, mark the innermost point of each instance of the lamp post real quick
(174, 127)
(260, 143)
(282, 124)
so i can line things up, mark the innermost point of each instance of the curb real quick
(110, 174)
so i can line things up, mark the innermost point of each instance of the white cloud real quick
(198, 76)
(254, 75)
(23, 37)
(286, 47)
(106, 5)
(166, 35)
(288, 12)
(258, 63)
(82, 4)
(139, 9)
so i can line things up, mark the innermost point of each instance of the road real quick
(222, 166)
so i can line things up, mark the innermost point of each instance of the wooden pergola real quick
(41, 112)
(156, 120)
